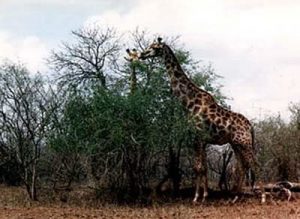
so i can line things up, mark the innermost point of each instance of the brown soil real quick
(245, 210)
(13, 206)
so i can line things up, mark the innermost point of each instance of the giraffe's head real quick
(133, 55)
(154, 50)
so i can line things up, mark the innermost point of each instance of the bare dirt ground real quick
(13, 206)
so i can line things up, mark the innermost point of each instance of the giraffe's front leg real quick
(198, 179)
(205, 183)
(200, 169)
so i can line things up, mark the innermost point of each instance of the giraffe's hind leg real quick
(258, 173)
(245, 161)
(239, 174)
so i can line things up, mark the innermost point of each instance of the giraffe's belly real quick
(220, 140)
(214, 133)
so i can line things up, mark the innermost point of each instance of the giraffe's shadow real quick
(215, 195)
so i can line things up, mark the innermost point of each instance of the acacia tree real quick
(88, 60)
(26, 108)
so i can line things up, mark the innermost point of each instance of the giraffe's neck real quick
(192, 97)
(172, 65)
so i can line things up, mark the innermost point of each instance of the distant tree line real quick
(114, 126)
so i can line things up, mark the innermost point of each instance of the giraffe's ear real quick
(159, 40)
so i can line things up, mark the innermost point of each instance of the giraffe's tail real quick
(258, 169)
(256, 166)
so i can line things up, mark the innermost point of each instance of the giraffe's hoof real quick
(263, 198)
(205, 194)
(195, 198)
(235, 199)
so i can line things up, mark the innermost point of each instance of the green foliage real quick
(71, 133)
(278, 148)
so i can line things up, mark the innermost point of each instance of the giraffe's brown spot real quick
(199, 95)
(174, 83)
(183, 80)
(222, 119)
(191, 94)
(240, 116)
(218, 121)
(177, 73)
(212, 116)
(198, 102)
(173, 64)
(207, 98)
(222, 132)
(204, 111)
(182, 88)
(222, 113)
(213, 106)
(196, 109)
(221, 127)
(212, 110)
(190, 105)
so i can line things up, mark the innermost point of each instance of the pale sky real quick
(254, 45)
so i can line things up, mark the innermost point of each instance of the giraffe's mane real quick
(196, 87)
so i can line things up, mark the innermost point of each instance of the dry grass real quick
(81, 204)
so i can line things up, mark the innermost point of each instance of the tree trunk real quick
(173, 173)
(33, 181)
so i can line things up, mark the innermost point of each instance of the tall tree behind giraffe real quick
(88, 60)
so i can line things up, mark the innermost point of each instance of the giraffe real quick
(133, 55)
(220, 125)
